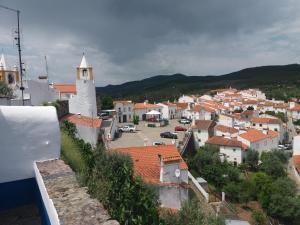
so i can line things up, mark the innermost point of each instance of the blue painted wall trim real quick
(17, 193)
(23, 192)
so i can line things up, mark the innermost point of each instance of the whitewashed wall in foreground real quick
(27, 134)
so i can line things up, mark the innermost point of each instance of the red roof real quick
(145, 105)
(204, 124)
(198, 108)
(83, 120)
(226, 129)
(182, 105)
(65, 88)
(265, 120)
(146, 161)
(253, 135)
(218, 140)
(296, 107)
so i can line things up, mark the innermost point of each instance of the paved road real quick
(147, 135)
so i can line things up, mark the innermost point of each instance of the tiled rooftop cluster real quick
(73, 204)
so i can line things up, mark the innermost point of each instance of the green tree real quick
(135, 119)
(272, 165)
(259, 218)
(5, 90)
(250, 107)
(252, 159)
(107, 103)
(191, 213)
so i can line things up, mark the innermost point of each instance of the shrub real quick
(259, 218)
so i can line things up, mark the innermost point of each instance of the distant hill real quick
(162, 87)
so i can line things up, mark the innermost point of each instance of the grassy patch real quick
(70, 153)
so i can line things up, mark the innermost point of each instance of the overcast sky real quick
(135, 39)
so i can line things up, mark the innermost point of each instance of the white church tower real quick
(84, 102)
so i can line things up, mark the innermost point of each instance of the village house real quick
(202, 131)
(202, 112)
(169, 110)
(295, 110)
(164, 166)
(124, 110)
(259, 140)
(231, 150)
(274, 124)
(181, 109)
(88, 128)
(65, 91)
(225, 131)
(141, 109)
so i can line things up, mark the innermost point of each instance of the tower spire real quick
(2, 63)
(83, 64)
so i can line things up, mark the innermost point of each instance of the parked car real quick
(180, 128)
(127, 128)
(158, 143)
(104, 116)
(168, 135)
(184, 121)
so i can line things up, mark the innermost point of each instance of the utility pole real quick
(47, 69)
(19, 47)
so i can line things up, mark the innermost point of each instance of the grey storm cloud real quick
(133, 39)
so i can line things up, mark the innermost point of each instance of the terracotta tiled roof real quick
(204, 124)
(65, 88)
(296, 161)
(144, 105)
(146, 160)
(226, 129)
(170, 104)
(198, 108)
(253, 135)
(218, 140)
(265, 120)
(249, 101)
(296, 108)
(182, 105)
(83, 120)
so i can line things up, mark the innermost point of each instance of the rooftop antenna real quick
(19, 46)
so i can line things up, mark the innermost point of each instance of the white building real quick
(125, 111)
(65, 91)
(169, 110)
(201, 112)
(230, 150)
(273, 124)
(141, 109)
(161, 165)
(225, 131)
(259, 140)
(202, 131)
(295, 110)
(84, 102)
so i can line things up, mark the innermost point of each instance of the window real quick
(199, 131)
(234, 150)
(129, 109)
(124, 109)
(254, 124)
(275, 129)
(199, 140)
(260, 125)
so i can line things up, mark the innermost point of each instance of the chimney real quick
(161, 163)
